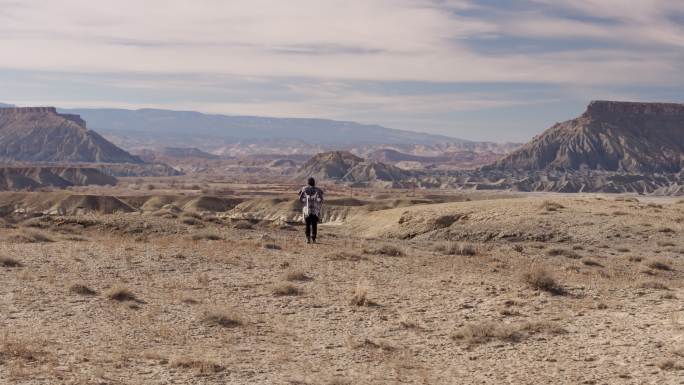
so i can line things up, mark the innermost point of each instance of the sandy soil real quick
(540, 290)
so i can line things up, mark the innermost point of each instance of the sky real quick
(497, 70)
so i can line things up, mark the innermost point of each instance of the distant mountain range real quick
(166, 128)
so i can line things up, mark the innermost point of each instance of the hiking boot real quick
(308, 240)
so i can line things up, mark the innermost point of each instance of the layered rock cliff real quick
(611, 136)
(40, 134)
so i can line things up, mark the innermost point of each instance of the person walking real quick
(312, 201)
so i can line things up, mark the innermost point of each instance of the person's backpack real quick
(309, 204)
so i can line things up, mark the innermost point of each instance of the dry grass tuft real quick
(551, 206)
(206, 235)
(227, 318)
(389, 250)
(201, 366)
(31, 236)
(345, 256)
(669, 364)
(9, 262)
(659, 264)
(16, 349)
(243, 225)
(461, 248)
(653, 285)
(558, 251)
(540, 278)
(591, 262)
(82, 289)
(297, 275)
(121, 294)
(483, 332)
(288, 289)
(360, 295)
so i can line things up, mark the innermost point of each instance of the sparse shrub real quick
(634, 258)
(669, 364)
(591, 262)
(243, 225)
(387, 249)
(344, 256)
(227, 318)
(286, 289)
(202, 367)
(541, 279)
(9, 262)
(191, 221)
(121, 294)
(557, 251)
(31, 236)
(462, 248)
(360, 295)
(659, 264)
(666, 244)
(483, 332)
(82, 289)
(622, 250)
(518, 248)
(272, 246)
(551, 206)
(653, 285)
(206, 235)
(296, 275)
(666, 230)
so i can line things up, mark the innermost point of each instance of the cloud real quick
(336, 58)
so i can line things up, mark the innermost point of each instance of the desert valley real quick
(440, 261)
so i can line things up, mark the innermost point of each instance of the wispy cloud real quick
(313, 57)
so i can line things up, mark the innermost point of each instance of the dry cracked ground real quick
(530, 290)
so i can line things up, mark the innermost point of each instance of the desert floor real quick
(541, 289)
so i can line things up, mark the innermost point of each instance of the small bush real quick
(541, 279)
(227, 318)
(206, 235)
(9, 262)
(201, 366)
(31, 236)
(121, 294)
(551, 206)
(272, 246)
(659, 264)
(554, 252)
(191, 221)
(653, 285)
(296, 275)
(286, 289)
(389, 250)
(457, 249)
(591, 262)
(483, 332)
(360, 295)
(82, 289)
(242, 225)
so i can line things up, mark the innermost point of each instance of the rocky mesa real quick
(40, 134)
(623, 137)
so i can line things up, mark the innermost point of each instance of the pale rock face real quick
(40, 134)
(612, 136)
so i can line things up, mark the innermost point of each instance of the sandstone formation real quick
(40, 134)
(611, 136)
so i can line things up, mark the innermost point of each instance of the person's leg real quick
(314, 227)
(307, 231)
